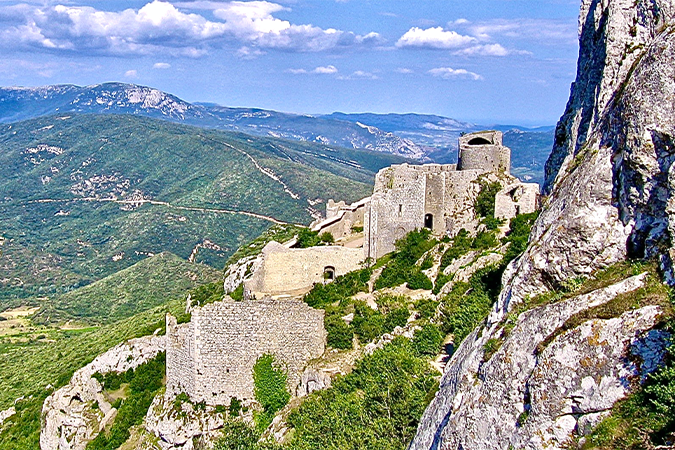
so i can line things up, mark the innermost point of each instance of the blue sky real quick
(497, 61)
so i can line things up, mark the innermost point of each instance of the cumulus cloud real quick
(326, 70)
(131, 74)
(160, 25)
(161, 65)
(450, 73)
(404, 70)
(321, 70)
(435, 37)
(487, 38)
(552, 31)
(485, 50)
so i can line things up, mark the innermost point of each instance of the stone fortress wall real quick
(293, 271)
(211, 358)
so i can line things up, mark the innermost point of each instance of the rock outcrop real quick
(177, 425)
(560, 381)
(609, 175)
(77, 412)
(611, 186)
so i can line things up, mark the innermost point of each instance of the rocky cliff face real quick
(611, 191)
(77, 412)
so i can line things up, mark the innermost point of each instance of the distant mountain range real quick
(119, 98)
(427, 138)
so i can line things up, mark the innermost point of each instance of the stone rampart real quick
(211, 359)
(293, 271)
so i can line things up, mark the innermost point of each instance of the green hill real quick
(145, 285)
(83, 197)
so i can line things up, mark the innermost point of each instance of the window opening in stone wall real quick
(429, 221)
(400, 210)
(479, 141)
(329, 273)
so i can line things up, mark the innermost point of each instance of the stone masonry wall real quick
(180, 357)
(229, 337)
(294, 270)
(488, 156)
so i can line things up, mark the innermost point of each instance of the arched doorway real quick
(479, 141)
(329, 273)
(429, 221)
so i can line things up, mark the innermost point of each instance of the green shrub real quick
(518, 235)
(377, 406)
(461, 245)
(441, 280)
(239, 436)
(428, 340)
(485, 201)
(235, 407)
(417, 280)
(428, 262)
(144, 383)
(492, 223)
(340, 334)
(207, 293)
(238, 294)
(326, 238)
(484, 240)
(269, 381)
(368, 324)
(396, 318)
(468, 304)
(426, 307)
(340, 289)
(308, 238)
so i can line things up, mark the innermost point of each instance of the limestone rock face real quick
(610, 179)
(611, 185)
(562, 381)
(177, 425)
(70, 420)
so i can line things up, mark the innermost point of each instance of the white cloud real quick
(131, 74)
(161, 65)
(326, 70)
(541, 31)
(246, 52)
(404, 70)
(485, 50)
(360, 75)
(160, 26)
(435, 37)
(450, 73)
(321, 70)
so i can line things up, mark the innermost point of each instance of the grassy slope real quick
(145, 285)
(53, 247)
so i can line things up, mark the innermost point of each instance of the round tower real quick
(484, 151)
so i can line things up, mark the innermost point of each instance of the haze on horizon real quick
(484, 61)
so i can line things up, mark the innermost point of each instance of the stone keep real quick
(211, 358)
(441, 197)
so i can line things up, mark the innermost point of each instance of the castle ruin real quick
(212, 357)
